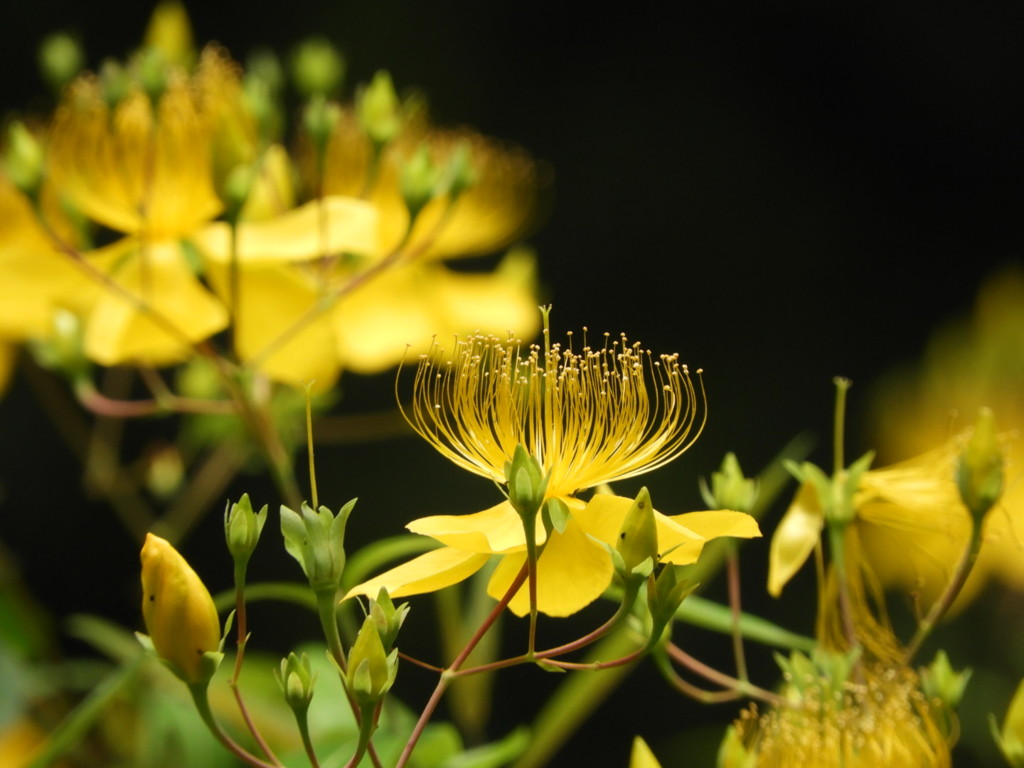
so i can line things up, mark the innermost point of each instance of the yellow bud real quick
(980, 469)
(638, 537)
(641, 756)
(170, 33)
(178, 610)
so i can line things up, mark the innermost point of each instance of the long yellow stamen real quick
(590, 417)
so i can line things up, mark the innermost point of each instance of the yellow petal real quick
(117, 331)
(331, 226)
(497, 530)
(795, 538)
(398, 312)
(572, 572)
(705, 526)
(272, 299)
(427, 573)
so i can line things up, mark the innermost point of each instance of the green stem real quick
(837, 546)
(448, 675)
(949, 595)
(202, 702)
(732, 566)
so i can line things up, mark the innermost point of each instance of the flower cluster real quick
(160, 206)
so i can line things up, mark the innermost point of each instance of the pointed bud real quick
(371, 671)
(170, 33)
(637, 541)
(379, 110)
(641, 756)
(979, 472)
(297, 680)
(178, 611)
(23, 159)
(526, 483)
(242, 528)
(729, 488)
(420, 180)
(944, 688)
(386, 618)
(317, 542)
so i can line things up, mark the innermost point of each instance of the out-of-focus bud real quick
(459, 174)
(979, 471)
(297, 680)
(152, 71)
(729, 488)
(242, 528)
(386, 618)
(420, 180)
(371, 670)
(637, 542)
(732, 753)
(1011, 737)
(60, 59)
(170, 33)
(316, 539)
(641, 756)
(317, 68)
(165, 471)
(235, 190)
(526, 483)
(319, 118)
(944, 688)
(379, 110)
(62, 350)
(23, 160)
(115, 82)
(179, 613)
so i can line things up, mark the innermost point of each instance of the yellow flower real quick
(970, 364)
(906, 505)
(589, 418)
(179, 613)
(145, 168)
(882, 719)
(314, 299)
(490, 214)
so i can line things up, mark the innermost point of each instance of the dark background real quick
(780, 193)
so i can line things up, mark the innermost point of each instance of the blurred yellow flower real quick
(588, 418)
(491, 213)
(969, 364)
(882, 719)
(144, 167)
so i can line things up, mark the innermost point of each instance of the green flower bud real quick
(179, 613)
(297, 680)
(665, 597)
(242, 528)
(379, 110)
(944, 688)
(526, 483)
(371, 671)
(637, 541)
(60, 59)
(23, 159)
(115, 82)
(420, 180)
(170, 33)
(317, 68)
(319, 118)
(729, 488)
(386, 618)
(459, 173)
(979, 471)
(165, 471)
(234, 192)
(317, 542)
(152, 72)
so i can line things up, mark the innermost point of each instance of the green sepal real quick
(556, 514)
